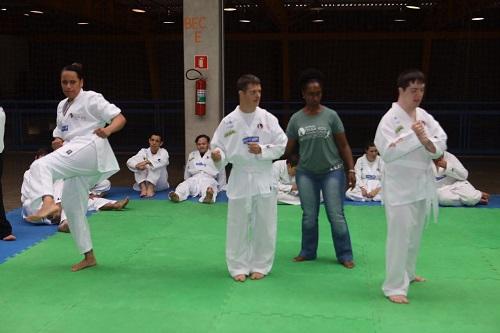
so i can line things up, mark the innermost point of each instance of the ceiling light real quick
(318, 20)
(168, 22)
(26, 14)
(82, 23)
(138, 10)
(3, 9)
(229, 7)
(36, 11)
(399, 20)
(245, 20)
(413, 5)
(478, 18)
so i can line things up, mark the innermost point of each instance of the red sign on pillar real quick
(201, 62)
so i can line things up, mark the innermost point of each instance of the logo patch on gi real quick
(69, 151)
(64, 128)
(250, 139)
(260, 126)
(228, 133)
(399, 129)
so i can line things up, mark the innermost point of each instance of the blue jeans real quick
(332, 184)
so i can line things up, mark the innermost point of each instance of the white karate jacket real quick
(251, 174)
(407, 176)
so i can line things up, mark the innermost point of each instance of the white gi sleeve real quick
(100, 108)
(134, 160)
(219, 142)
(276, 148)
(454, 168)
(393, 146)
(437, 136)
(162, 161)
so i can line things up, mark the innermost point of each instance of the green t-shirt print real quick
(314, 134)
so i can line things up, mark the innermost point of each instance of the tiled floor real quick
(484, 174)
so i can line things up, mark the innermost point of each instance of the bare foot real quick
(87, 262)
(150, 192)
(485, 198)
(419, 279)
(118, 205)
(209, 196)
(349, 264)
(398, 299)
(257, 276)
(9, 238)
(240, 278)
(63, 227)
(144, 189)
(48, 209)
(174, 197)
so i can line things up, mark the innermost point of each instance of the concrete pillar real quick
(203, 35)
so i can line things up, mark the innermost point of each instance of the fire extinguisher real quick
(200, 104)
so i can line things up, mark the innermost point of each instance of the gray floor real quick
(484, 174)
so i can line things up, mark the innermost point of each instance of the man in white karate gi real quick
(284, 177)
(408, 139)
(453, 187)
(201, 177)
(149, 166)
(249, 138)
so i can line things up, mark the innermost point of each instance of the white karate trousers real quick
(157, 177)
(405, 225)
(288, 198)
(79, 171)
(92, 205)
(101, 188)
(356, 195)
(460, 193)
(251, 234)
(196, 186)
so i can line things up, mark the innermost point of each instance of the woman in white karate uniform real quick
(368, 173)
(201, 177)
(408, 139)
(453, 189)
(149, 166)
(84, 157)
(250, 138)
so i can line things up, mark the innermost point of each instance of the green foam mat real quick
(161, 268)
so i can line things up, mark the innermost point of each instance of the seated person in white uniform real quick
(101, 189)
(368, 170)
(284, 177)
(201, 177)
(453, 189)
(149, 166)
(95, 203)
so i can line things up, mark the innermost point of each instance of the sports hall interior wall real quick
(462, 90)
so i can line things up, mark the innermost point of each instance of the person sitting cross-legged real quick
(453, 189)
(201, 177)
(149, 166)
